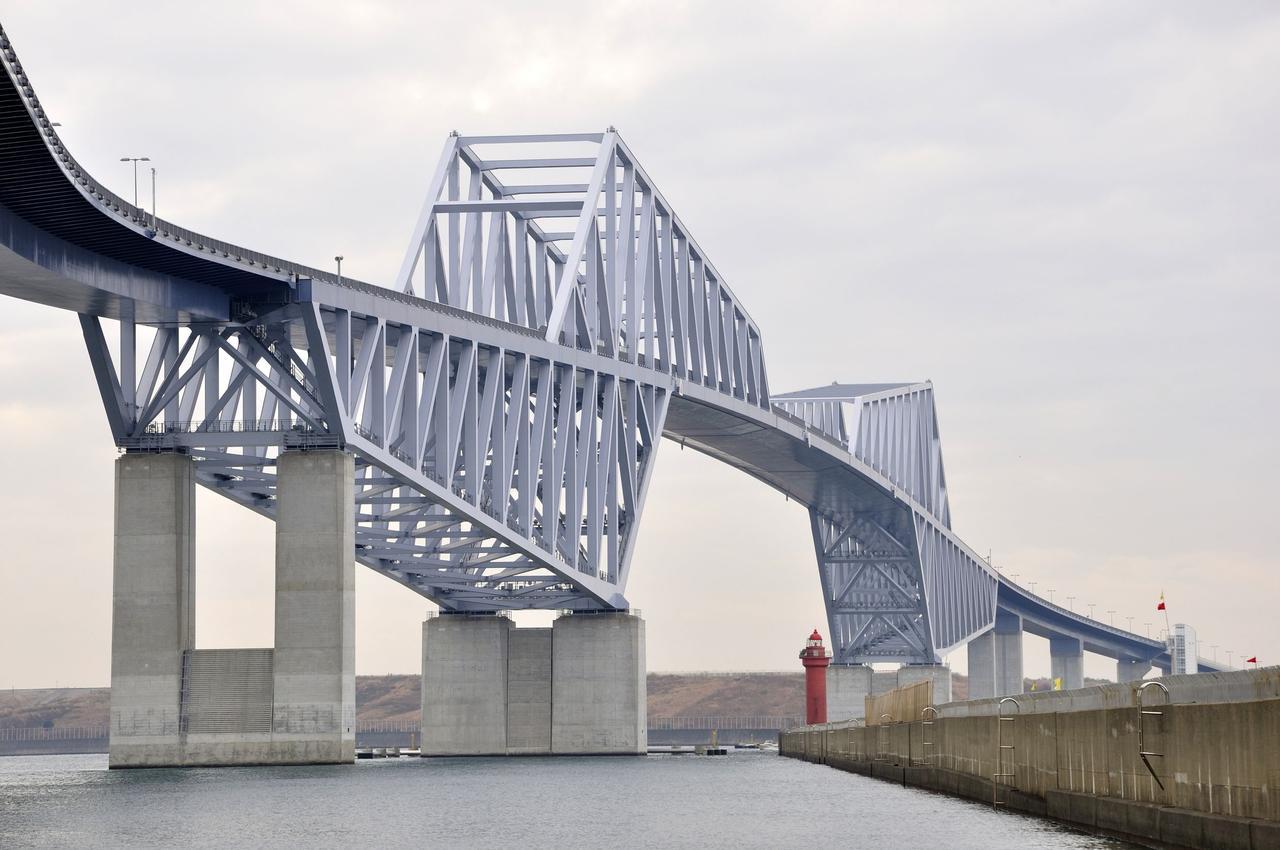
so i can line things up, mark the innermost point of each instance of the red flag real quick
(1160, 607)
(1253, 660)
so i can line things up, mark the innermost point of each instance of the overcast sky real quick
(1066, 215)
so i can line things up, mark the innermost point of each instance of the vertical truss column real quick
(872, 587)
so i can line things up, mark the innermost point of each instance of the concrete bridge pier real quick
(175, 705)
(995, 659)
(848, 686)
(577, 688)
(939, 674)
(1128, 670)
(153, 614)
(1066, 659)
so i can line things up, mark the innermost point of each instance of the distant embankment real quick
(70, 720)
(681, 706)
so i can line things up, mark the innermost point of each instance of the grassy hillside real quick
(398, 698)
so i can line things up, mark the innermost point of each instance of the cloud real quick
(1063, 215)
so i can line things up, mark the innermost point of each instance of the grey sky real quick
(1065, 215)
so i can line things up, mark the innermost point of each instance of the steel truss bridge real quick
(504, 398)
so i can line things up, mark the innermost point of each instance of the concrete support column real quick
(313, 711)
(598, 691)
(848, 686)
(529, 691)
(995, 659)
(1128, 670)
(1066, 656)
(152, 606)
(939, 674)
(464, 684)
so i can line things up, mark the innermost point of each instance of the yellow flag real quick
(1057, 683)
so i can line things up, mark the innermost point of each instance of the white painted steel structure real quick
(553, 317)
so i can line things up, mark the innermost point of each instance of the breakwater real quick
(1147, 766)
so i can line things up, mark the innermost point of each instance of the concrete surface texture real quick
(464, 685)
(529, 691)
(152, 605)
(1131, 671)
(489, 688)
(1232, 686)
(848, 686)
(1066, 659)
(995, 659)
(315, 685)
(938, 674)
(1213, 782)
(598, 685)
(293, 704)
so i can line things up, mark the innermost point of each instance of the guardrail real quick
(722, 722)
(54, 733)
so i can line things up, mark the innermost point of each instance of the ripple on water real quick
(746, 800)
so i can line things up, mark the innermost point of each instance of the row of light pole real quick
(1071, 600)
(1111, 612)
(135, 160)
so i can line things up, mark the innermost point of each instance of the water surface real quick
(744, 800)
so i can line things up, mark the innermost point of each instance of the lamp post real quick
(1091, 606)
(1148, 625)
(135, 160)
(1113, 617)
(153, 199)
(1032, 585)
(1051, 591)
(1071, 603)
(1130, 619)
(338, 260)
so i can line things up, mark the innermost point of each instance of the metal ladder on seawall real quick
(926, 735)
(1145, 754)
(882, 737)
(998, 779)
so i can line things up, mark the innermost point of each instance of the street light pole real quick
(1071, 603)
(1113, 617)
(135, 160)
(153, 199)
(1091, 606)
(1130, 619)
(339, 262)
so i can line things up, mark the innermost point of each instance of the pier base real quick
(939, 674)
(175, 705)
(848, 686)
(153, 613)
(578, 688)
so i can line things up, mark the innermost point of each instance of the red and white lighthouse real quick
(816, 661)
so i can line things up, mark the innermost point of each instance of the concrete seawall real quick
(1214, 779)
